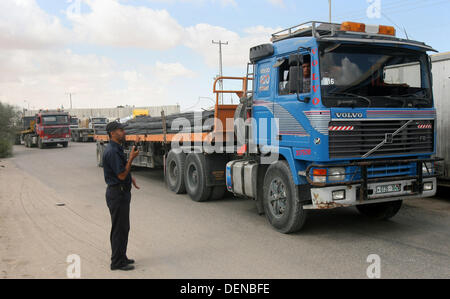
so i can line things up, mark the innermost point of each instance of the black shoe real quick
(129, 261)
(123, 267)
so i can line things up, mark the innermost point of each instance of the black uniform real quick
(118, 197)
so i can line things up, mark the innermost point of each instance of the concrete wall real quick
(114, 113)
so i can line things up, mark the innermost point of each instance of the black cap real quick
(112, 126)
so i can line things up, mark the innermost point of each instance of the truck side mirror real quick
(295, 79)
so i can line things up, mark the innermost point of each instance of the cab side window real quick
(284, 67)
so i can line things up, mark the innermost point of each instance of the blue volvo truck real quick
(338, 115)
(355, 123)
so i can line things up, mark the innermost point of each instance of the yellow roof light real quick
(386, 30)
(370, 29)
(352, 26)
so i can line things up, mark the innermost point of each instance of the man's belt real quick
(120, 187)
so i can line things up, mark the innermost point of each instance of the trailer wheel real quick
(282, 204)
(41, 145)
(17, 140)
(99, 155)
(195, 178)
(175, 172)
(380, 211)
(65, 144)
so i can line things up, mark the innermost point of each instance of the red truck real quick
(49, 128)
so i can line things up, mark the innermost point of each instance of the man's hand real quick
(134, 153)
(134, 183)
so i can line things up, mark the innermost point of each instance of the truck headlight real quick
(428, 186)
(336, 174)
(338, 195)
(427, 168)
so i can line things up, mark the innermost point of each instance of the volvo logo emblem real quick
(349, 115)
(389, 138)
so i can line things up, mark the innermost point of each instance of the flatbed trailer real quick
(156, 149)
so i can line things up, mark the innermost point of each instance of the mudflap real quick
(215, 166)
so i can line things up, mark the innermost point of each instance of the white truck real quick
(86, 128)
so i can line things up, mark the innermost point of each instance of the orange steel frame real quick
(221, 113)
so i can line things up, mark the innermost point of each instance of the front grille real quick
(396, 169)
(56, 131)
(353, 139)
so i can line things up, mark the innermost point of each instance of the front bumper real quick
(363, 190)
(55, 140)
(322, 197)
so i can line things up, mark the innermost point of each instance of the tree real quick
(8, 129)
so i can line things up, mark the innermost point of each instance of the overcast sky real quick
(159, 52)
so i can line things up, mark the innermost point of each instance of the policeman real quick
(118, 194)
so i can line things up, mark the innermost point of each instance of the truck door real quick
(291, 99)
(263, 102)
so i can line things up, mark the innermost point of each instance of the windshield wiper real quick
(403, 99)
(348, 94)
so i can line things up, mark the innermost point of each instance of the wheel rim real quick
(277, 198)
(192, 176)
(173, 170)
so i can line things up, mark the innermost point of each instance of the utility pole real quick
(70, 98)
(220, 43)
(329, 9)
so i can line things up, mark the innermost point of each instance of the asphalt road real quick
(174, 237)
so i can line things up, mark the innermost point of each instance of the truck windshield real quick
(99, 120)
(355, 76)
(55, 120)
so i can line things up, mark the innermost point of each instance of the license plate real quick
(389, 188)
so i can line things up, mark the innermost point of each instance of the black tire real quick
(41, 145)
(175, 172)
(282, 202)
(65, 144)
(380, 211)
(17, 140)
(99, 155)
(218, 192)
(195, 178)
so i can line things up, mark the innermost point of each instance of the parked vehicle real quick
(85, 130)
(74, 122)
(326, 124)
(47, 128)
(441, 90)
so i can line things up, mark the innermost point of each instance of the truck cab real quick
(51, 128)
(348, 110)
(98, 123)
(74, 122)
